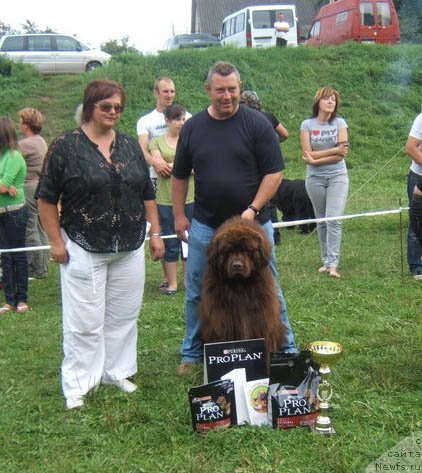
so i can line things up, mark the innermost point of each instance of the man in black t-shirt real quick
(237, 165)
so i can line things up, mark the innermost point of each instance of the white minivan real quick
(52, 53)
(254, 26)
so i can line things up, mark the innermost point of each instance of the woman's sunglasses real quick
(106, 107)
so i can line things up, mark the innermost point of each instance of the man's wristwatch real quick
(252, 207)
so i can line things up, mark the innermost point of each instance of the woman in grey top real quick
(324, 144)
(33, 148)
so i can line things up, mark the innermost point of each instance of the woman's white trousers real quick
(101, 296)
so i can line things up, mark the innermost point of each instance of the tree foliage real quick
(27, 27)
(115, 46)
(6, 29)
(410, 14)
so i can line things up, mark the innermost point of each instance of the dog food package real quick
(256, 393)
(292, 392)
(213, 406)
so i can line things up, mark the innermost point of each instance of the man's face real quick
(164, 94)
(224, 92)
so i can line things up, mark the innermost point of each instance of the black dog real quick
(294, 203)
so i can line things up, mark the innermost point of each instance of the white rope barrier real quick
(370, 178)
(30, 248)
(293, 223)
(47, 247)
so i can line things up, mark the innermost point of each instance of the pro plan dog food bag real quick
(292, 392)
(213, 406)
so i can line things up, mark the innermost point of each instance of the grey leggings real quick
(328, 195)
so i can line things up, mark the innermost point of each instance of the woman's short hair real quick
(99, 89)
(174, 112)
(322, 93)
(8, 137)
(33, 118)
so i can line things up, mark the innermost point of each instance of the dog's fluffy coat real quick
(293, 201)
(239, 296)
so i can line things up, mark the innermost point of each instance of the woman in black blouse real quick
(102, 182)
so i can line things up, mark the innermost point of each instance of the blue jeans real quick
(173, 246)
(14, 265)
(328, 195)
(414, 250)
(200, 236)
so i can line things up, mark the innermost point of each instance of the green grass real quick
(374, 310)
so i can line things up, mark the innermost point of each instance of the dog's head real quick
(239, 249)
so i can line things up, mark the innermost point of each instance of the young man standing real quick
(150, 126)
(281, 27)
(153, 124)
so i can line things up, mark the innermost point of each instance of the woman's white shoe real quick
(123, 384)
(74, 402)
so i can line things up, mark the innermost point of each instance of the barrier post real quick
(401, 243)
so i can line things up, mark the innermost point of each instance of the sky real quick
(148, 23)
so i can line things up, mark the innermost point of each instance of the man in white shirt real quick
(414, 190)
(153, 124)
(281, 27)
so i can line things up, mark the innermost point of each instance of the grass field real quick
(374, 310)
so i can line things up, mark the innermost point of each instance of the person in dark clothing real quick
(101, 179)
(415, 212)
(250, 99)
(237, 165)
(414, 186)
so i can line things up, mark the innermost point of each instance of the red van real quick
(364, 21)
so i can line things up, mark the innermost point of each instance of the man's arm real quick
(156, 155)
(282, 132)
(161, 166)
(413, 151)
(266, 190)
(179, 190)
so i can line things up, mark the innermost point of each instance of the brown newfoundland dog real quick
(239, 296)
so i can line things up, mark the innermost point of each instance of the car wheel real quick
(91, 66)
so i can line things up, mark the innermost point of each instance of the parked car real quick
(255, 26)
(52, 53)
(364, 21)
(193, 40)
